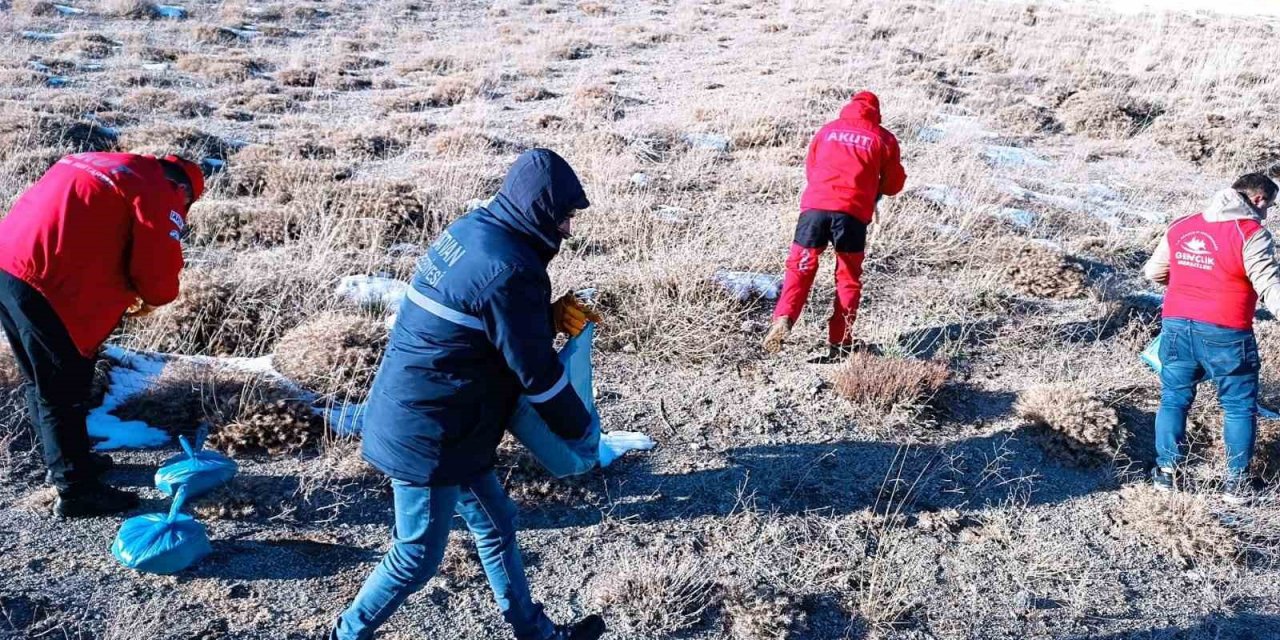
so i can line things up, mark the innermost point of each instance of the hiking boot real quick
(1239, 490)
(1162, 479)
(93, 500)
(778, 332)
(588, 628)
(99, 465)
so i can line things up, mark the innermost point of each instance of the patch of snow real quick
(36, 65)
(131, 373)
(39, 36)
(671, 215)
(67, 10)
(744, 285)
(156, 66)
(372, 291)
(1019, 217)
(953, 128)
(171, 11)
(478, 203)
(942, 194)
(709, 141)
(640, 179)
(1007, 157)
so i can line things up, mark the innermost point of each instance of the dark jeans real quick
(424, 516)
(59, 380)
(1191, 352)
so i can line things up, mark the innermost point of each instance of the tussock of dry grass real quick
(1179, 523)
(203, 319)
(245, 413)
(19, 131)
(334, 354)
(598, 101)
(764, 613)
(131, 9)
(659, 595)
(164, 139)
(887, 382)
(1039, 271)
(241, 224)
(1107, 114)
(1082, 428)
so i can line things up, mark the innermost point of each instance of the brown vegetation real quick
(1081, 427)
(334, 354)
(886, 382)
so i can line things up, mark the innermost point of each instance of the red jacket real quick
(95, 233)
(1208, 281)
(853, 161)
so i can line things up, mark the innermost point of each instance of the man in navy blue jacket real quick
(474, 334)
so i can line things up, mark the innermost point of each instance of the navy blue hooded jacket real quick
(475, 332)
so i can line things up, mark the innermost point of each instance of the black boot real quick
(588, 628)
(93, 500)
(99, 465)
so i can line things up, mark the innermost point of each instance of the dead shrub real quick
(270, 103)
(1036, 270)
(531, 93)
(599, 101)
(398, 211)
(212, 34)
(764, 613)
(595, 9)
(530, 486)
(1179, 523)
(1106, 113)
(22, 79)
(131, 9)
(204, 318)
(663, 594)
(28, 166)
(10, 375)
(221, 69)
(93, 46)
(241, 224)
(573, 49)
(463, 141)
(244, 412)
(76, 104)
(446, 92)
(297, 77)
(164, 139)
(1027, 119)
(34, 130)
(1236, 144)
(335, 355)
(37, 8)
(884, 383)
(1079, 427)
(765, 132)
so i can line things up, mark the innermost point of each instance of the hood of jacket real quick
(863, 106)
(539, 192)
(1229, 204)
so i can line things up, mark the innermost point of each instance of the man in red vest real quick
(852, 162)
(98, 235)
(1217, 264)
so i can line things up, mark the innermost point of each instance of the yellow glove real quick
(571, 316)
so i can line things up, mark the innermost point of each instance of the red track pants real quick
(814, 231)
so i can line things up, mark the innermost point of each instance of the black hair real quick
(175, 173)
(1252, 184)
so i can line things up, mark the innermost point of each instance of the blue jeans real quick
(1191, 352)
(423, 518)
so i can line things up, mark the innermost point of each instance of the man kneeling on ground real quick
(1217, 264)
(97, 236)
(474, 333)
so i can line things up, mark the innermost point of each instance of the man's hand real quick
(139, 309)
(571, 316)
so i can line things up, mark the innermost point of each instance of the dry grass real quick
(131, 9)
(884, 383)
(335, 355)
(661, 594)
(1043, 272)
(1081, 427)
(1180, 524)
(764, 613)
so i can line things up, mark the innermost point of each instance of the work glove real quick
(571, 316)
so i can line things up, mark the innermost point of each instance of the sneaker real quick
(1162, 479)
(588, 628)
(93, 500)
(1238, 490)
(99, 465)
(778, 332)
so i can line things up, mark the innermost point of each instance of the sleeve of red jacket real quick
(155, 255)
(892, 176)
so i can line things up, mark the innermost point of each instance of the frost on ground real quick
(978, 472)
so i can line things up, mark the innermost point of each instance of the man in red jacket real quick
(852, 162)
(98, 235)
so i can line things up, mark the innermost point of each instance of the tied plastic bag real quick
(559, 456)
(162, 543)
(196, 470)
(1151, 357)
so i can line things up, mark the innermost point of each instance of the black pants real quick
(59, 380)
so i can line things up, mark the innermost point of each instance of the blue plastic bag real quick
(559, 456)
(162, 543)
(197, 470)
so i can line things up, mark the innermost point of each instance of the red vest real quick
(1207, 278)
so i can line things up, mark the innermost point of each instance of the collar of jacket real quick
(1229, 204)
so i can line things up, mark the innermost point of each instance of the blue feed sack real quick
(558, 456)
(161, 543)
(197, 470)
